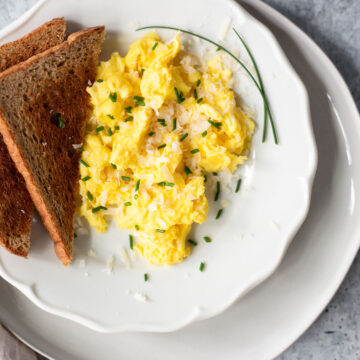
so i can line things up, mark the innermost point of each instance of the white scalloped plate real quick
(247, 243)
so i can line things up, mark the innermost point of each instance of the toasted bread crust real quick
(16, 207)
(48, 201)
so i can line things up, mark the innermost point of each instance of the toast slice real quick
(16, 207)
(43, 109)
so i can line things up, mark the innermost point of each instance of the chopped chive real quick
(205, 178)
(151, 133)
(80, 150)
(198, 82)
(84, 163)
(219, 213)
(113, 166)
(215, 124)
(192, 242)
(195, 94)
(218, 49)
(161, 146)
(194, 151)
(142, 71)
(200, 100)
(129, 118)
(170, 184)
(100, 128)
(162, 183)
(179, 96)
(113, 96)
(89, 196)
(86, 178)
(117, 127)
(162, 122)
(99, 80)
(187, 170)
(174, 124)
(112, 117)
(128, 203)
(75, 235)
(184, 137)
(137, 185)
(154, 46)
(160, 231)
(125, 178)
(61, 122)
(137, 227)
(202, 266)
(203, 134)
(215, 173)
(139, 100)
(128, 109)
(98, 208)
(146, 277)
(136, 196)
(217, 191)
(131, 242)
(109, 132)
(238, 186)
(207, 239)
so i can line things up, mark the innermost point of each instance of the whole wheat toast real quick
(16, 207)
(43, 107)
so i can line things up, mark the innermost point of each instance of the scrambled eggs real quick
(158, 124)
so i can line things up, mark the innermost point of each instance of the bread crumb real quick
(77, 146)
(110, 264)
(225, 203)
(124, 256)
(44, 143)
(23, 211)
(140, 297)
(92, 253)
(275, 225)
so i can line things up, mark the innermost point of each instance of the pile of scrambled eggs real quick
(158, 124)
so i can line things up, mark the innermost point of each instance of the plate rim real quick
(192, 316)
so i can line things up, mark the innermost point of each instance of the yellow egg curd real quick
(159, 121)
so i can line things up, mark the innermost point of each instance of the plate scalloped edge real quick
(196, 314)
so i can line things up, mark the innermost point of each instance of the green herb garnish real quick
(98, 208)
(99, 80)
(198, 83)
(146, 277)
(137, 185)
(137, 227)
(203, 134)
(142, 71)
(215, 124)
(199, 100)
(160, 231)
(217, 191)
(136, 196)
(80, 150)
(205, 178)
(113, 166)
(75, 235)
(128, 203)
(131, 242)
(187, 170)
(99, 128)
(86, 178)
(89, 196)
(259, 84)
(174, 124)
(161, 146)
(162, 183)
(219, 213)
(109, 132)
(215, 173)
(84, 163)
(151, 133)
(202, 266)
(128, 109)
(139, 100)
(194, 151)
(125, 178)
(112, 117)
(218, 49)
(207, 239)
(113, 96)
(154, 46)
(192, 242)
(195, 94)
(117, 127)
(162, 122)
(129, 118)
(61, 122)
(238, 186)
(184, 137)
(179, 96)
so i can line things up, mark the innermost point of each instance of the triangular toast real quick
(16, 207)
(43, 108)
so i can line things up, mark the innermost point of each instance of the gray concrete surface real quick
(335, 26)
